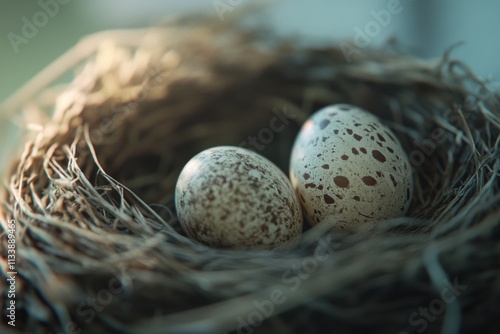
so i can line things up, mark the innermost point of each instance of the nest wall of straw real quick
(92, 192)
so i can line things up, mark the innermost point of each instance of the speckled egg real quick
(347, 169)
(230, 197)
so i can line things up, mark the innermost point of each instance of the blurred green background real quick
(424, 28)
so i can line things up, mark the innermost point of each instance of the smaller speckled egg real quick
(230, 197)
(347, 169)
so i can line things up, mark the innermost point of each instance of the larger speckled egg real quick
(347, 169)
(230, 197)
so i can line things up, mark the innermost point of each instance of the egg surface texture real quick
(347, 169)
(230, 197)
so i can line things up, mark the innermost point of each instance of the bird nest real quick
(89, 199)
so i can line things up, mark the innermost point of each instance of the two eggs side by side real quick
(346, 169)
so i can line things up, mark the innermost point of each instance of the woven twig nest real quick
(99, 248)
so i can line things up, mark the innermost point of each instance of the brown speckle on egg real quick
(323, 124)
(369, 181)
(341, 181)
(378, 155)
(328, 199)
(393, 179)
